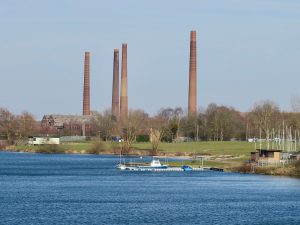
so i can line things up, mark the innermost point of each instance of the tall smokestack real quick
(124, 97)
(86, 85)
(192, 108)
(115, 88)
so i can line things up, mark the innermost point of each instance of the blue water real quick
(87, 189)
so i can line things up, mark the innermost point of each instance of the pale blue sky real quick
(248, 50)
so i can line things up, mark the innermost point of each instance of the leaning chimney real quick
(86, 85)
(124, 90)
(115, 88)
(192, 106)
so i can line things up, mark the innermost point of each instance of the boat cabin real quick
(155, 163)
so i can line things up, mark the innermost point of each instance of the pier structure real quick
(169, 169)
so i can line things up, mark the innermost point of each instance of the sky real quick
(247, 51)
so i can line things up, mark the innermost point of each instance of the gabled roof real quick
(61, 119)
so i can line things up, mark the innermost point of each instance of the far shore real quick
(232, 159)
(133, 152)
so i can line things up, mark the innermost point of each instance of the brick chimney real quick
(124, 94)
(115, 108)
(192, 105)
(86, 85)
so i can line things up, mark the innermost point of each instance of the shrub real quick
(297, 168)
(96, 148)
(244, 168)
(50, 149)
(142, 138)
(179, 154)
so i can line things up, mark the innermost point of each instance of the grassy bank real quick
(68, 147)
(235, 148)
(292, 169)
(218, 154)
(230, 156)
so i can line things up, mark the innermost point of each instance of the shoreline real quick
(134, 153)
(221, 160)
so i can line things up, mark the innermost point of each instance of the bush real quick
(297, 168)
(297, 164)
(142, 138)
(50, 149)
(179, 154)
(96, 148)
(244, 168)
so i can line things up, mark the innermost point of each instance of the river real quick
(87, 189)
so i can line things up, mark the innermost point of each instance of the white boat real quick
(155, 164)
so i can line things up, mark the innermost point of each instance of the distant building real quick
(269, 157)
(264, 156)
(43, 141)
(66, 124)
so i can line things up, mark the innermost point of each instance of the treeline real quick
(14, 128)
(215, 123)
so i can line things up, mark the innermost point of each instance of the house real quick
(266, 156)
(66, 124)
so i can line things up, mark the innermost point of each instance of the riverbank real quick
(214, 154)
(290, 170)
(230, 156)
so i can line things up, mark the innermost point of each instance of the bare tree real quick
(212, 121)
(27, 125)
(178, 114)
(104, 125)
(129, 129)
(159, 127)
(8, 125)
(295, 103)
(155, 139)
(265, 115)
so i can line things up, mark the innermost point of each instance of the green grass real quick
(224, 154)
(205, 148)
(236, 148)
(241, 149)
(238, 152)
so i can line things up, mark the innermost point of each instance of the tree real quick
(189, 126)
(8, 125)
(104, 125)
(265, 116)
(295, 103)
(160, 127)
(27, 125)
(164, 123)
(129, 129)
(221, 123)
(212, 121)
(155, 138)
(178, 114)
